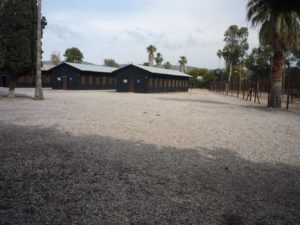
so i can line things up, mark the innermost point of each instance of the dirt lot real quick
(100, 157)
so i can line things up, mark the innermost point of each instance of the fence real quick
(257, 89)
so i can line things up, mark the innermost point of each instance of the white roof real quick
(47, 67)
(157, 70)
(92, 68)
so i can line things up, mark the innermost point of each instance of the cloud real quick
(63, 32)
(110, 28)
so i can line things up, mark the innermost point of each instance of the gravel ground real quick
(100, 157)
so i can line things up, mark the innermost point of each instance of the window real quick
(170, 83)
(90, 80)
(21, 80)
(110, 81)
(82, 81)
(104, 80)
(150, 83)
(29, 79)
(97, 80)
(160, 83)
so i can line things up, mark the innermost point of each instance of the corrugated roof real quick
(156, 70)
(92, 68)
(47, 67)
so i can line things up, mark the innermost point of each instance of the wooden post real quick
(244, 89)
(239, 84)
(289, 88)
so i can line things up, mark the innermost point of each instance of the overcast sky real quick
(122, 29)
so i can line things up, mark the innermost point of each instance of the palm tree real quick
(159, 59)
(182, 61)
(219, 54)
(279, 23)
(151, 49)
(167, 65)
(55, 58)
(38, 89)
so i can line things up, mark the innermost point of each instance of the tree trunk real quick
(39, 90)
(230, 74)
(151, 59)
(12, 87)
(182, 68)
(276, 89)
(229, 79)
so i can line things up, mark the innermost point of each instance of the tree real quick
(159, 59)
(18, 34)
(2, 43)
(279, 25)
(151, 50)
(182, 62)
(259, 61)
(236, 46)
(73, 55)
(201, 78)
(295, 51)
(145, 64)
(55, 58)
(111, 63)
(219, 54)
(167, 65)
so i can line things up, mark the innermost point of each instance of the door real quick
(131, 87)
(65, 83)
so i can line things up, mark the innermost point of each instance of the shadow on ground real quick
(198, 101)
(212, 102)
(50, 177)
(4, 94)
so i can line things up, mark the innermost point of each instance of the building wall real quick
(27, 81)
(30, 82)
(163, 83)
(96, 81)
(145, 82)
(132, 79)
(65, 72)
(68, 77)
(3, 81)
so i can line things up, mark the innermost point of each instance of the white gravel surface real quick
(185, 120)
(245, 156)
